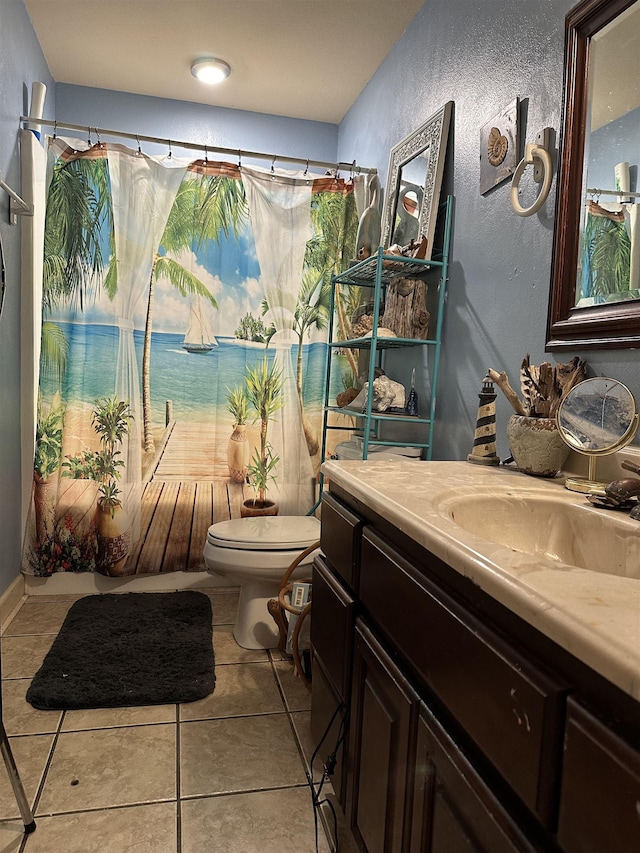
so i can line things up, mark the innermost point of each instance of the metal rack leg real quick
(16, 784)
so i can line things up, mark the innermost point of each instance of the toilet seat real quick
(268, 533)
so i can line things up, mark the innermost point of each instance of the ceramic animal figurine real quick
(370, 224)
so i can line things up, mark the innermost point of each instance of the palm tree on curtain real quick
(79, 215)
(312, 310)
(336, 224)
(607, 256)
(204, 208)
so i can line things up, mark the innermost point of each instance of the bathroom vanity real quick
(476, 638)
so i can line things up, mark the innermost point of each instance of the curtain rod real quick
(233, 152)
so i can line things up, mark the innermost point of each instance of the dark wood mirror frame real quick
(613, 326)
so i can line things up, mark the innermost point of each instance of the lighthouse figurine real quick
(484, 440)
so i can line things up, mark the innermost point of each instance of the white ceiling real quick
(301, 58)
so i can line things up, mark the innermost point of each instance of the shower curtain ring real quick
(170, 154)
(239, 159)
(89, 143)
(306, 168)
(273, 171)
(55, 129)
(138, 141)
(98, 137)
(206, 155)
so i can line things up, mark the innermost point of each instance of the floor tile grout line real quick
(294, 731)
(217, 794)
(47, 765)
(115, 807)
(178, 781)
(168, 800)
(308, 772)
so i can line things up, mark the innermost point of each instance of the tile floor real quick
(226, 774)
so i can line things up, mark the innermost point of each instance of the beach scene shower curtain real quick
(185, 314)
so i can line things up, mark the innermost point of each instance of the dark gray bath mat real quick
(114, 651)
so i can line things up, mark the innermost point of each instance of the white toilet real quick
(254, 554)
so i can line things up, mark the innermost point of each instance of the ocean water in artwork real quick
(196, 383)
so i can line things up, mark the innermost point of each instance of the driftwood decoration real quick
(502, 381)
(405, 310)
(543, 386)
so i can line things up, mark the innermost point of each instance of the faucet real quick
(620, 492)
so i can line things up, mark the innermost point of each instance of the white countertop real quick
(592, 614)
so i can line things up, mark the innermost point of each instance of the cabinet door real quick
(600, 800)
(332, 626)
(328, 730)
(332, 643)
(384, 712)
(453, 809)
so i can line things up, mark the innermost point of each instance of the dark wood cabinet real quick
(600, 802)
(507, 704)
(340, 539)
(454, 810)
(381, 747)
(331, 635)
(331, 639)
(468, 730)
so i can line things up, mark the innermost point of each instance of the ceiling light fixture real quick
(210, 71)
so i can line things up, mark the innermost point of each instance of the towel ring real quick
(532, 151)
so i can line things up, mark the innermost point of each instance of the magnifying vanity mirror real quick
(413, 182)
(597, 417)
(595, 287)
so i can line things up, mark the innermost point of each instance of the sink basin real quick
(551, 527)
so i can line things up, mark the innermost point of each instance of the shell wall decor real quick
(499, 145)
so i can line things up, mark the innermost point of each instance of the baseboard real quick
(11, 599)
(88, 583)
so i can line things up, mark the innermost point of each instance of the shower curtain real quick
(139, 424)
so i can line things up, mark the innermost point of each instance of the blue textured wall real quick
(197, 123)
(21, 63)
(482, 56)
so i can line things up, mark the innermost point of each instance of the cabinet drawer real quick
(340, 539)
(332, 626)
(511, 709)
(600, 799)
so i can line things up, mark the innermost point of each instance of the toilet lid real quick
(269, 533)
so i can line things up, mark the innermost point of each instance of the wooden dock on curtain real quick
(185, 490)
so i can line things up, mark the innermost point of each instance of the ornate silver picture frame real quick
(415, 173)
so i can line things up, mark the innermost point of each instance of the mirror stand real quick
(597, 417)
(589, 485)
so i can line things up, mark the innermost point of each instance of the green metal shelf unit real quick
(376, 273)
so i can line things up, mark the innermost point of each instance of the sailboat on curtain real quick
(199, 337)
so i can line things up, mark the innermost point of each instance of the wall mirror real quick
(595, 286)
(414, 180)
